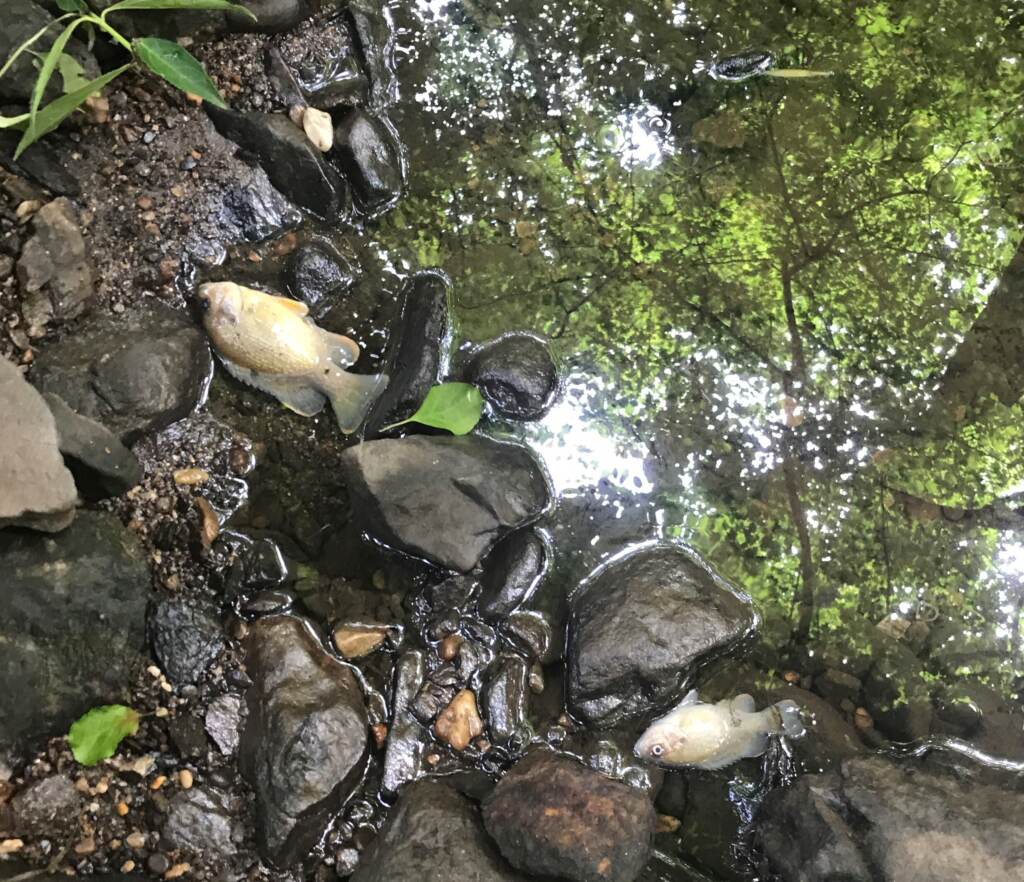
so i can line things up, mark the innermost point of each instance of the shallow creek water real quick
(786, 311)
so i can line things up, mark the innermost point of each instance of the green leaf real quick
(57, 111)
(38, 35)
(49, 65)
(452, 406)
(96, 735)
(125, 5)
(10, 122)
(178, 66)
(72, 73)
(73, 6)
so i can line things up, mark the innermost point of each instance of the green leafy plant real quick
(166, 59)
(96, 734)
(452, 406)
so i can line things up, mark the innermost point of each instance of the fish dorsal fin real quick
(744, 703)
(690, 698)
(296, 306)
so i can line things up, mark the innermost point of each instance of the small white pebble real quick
(154, 672)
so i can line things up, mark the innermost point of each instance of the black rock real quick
(223, 722)
(323, 73)
(293, 164)
(253, 211)
(43, 164)
(433, 834)
(272, 16)
(134, 373)
(101, 464)
(448, 499)
(405, 745)
(45, 805)
(375, 40)
(512, 573)
(551, 815)
(186, 638)
(830, 739)
(367, 149)
(73, 629)
(304, 745)
(516, 374)
(316, 274)
(188, 735)
(876, 820)
(23, 19)
(505, 703)
(534, 633)
(413, 357)
(202, 822)
(639, 626)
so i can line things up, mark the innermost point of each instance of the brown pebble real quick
(862, 720)
(144, 202)
(135, 840)
(178, 191)
(191, 477)
(158, 782)
(127, 866)
(355, 641)
(459, 723)
(450, 646)
(177, 870)
(666, 824)
(161, 712)
(380, 734)
(86, 846)
(433, 759)
(286, 244)
(122, 808)
(482, 744)
(81, 784)
(10, 846)
(209, 528)
(791, 677)
(185, 779)
(254, 257)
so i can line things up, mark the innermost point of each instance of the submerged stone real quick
(516, 374)
(512, 572)
(367, 149)
(316, 274)
(305, 741)
(448, 499)
(640, 625)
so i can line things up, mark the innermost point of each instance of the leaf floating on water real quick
(96, 734)
(452, 406)
(796, 73)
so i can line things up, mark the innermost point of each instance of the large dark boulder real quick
(293, 164)
(638, 628)
(413, 356)
(433, 834)
(516, 374)
(367, 149)
(36, 489)
(134, 373)
(447, 499)
(305, 740)
(551, 815)
(886, 822)
(73, 629)
(375, 42)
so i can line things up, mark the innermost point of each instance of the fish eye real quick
(657, 750)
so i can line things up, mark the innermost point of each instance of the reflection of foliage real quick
(711, 250)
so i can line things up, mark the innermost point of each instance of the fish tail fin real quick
(789, 718)
(352, 395)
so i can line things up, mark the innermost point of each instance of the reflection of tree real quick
(837, 244)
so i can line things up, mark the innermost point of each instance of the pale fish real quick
(269, 342)
(712, 736)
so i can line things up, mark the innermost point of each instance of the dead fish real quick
(712, 736)
(270, 343)
(737, 68)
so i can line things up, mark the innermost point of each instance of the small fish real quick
(712, 736)
(737, 68)
(270, 343)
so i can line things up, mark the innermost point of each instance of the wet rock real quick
(459, 723)
(36, 489)
(413, 357)
(316, 274)
(551, 815)
(201, 821)
(323, 73)
(435, 694)
(102, 466)
(21, 20)
(272, 16)
(367, 149)
(506, 703)
(516, 374)
(223, 722)
(54, 270)
(252, 211)
(639, 626)
(305, 741)
(837, 685)
(293, 164)
(134, 373)
(375, 41)
(829, 739)
(405, 744)
(876, 820)
(186, 638)
(512, 573)
(73, 629)
(46, 804)
(356, 641)
(43, 164)
(446, 499)
(533, 631)
(188, 735)
(433, 834)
